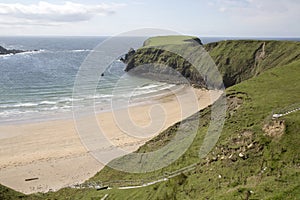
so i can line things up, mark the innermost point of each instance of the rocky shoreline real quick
(4, 51)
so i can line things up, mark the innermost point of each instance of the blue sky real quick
(272, 18)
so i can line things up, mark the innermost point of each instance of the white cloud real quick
(44, 12)
(265, 16)
(255, 6)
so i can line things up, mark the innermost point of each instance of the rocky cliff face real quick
(163, 66)
(4, 51)
(240, 60)
(153, 61)
(236, 60)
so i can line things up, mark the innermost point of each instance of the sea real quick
(38, 85)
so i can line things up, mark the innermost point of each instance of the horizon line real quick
(212, 36)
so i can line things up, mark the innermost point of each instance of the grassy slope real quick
(240, 60)
(236, 60)
(276, 88)
(166, 40)
(9, 194)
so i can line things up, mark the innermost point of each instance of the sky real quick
(244, 18)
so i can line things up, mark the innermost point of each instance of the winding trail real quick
(167, 177)
(286, 113)
(158, 180)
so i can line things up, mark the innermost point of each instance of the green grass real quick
(268, 91)
(239, 60)
(168, 40)
(236, 60)
(271, 90)
(9, 194)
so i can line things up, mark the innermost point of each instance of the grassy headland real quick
(248, 162)
(236, 60)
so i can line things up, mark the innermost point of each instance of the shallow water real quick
(38, 85)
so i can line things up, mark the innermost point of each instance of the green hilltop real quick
(236, 60)
(256, 157)
(171, 40)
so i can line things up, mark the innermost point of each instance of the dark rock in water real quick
(102, 74)
(127, 57)
(4, 51)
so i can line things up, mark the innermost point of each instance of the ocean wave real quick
(24, 105)
(23, 53)
(148, 86)
(47, 103)
(148, 89)
(69, 99)
(32, 52)
(100, 96)
(81, 50)
(27, 105)
(6, 55)
(15, 112)
(65, 104)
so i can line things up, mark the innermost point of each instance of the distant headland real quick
(4, 51)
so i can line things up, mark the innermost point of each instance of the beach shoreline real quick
(52, 151)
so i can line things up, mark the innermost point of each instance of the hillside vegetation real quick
(236, 60)
(247, 161)
(256, 156)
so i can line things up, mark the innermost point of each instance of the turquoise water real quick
(38, 85)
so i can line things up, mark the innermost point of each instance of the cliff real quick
(154, 62)
(240, 60)
(236, 60)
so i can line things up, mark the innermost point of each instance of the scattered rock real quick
(250, 146)
(128, 56)
(241, 155)
(214, 158)
(233, 158)
(275, 128)
(233, 103)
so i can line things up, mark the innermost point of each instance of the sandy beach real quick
(53, 152)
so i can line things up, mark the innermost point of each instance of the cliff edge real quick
(236, 60)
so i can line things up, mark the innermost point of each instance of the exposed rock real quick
(4, 51)
(239, 61)
(275, 128)
(233, 158)
(166, 66)
(214, 159)
(233, 103)
(128, 56)
(162, 66)
(250, 146)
